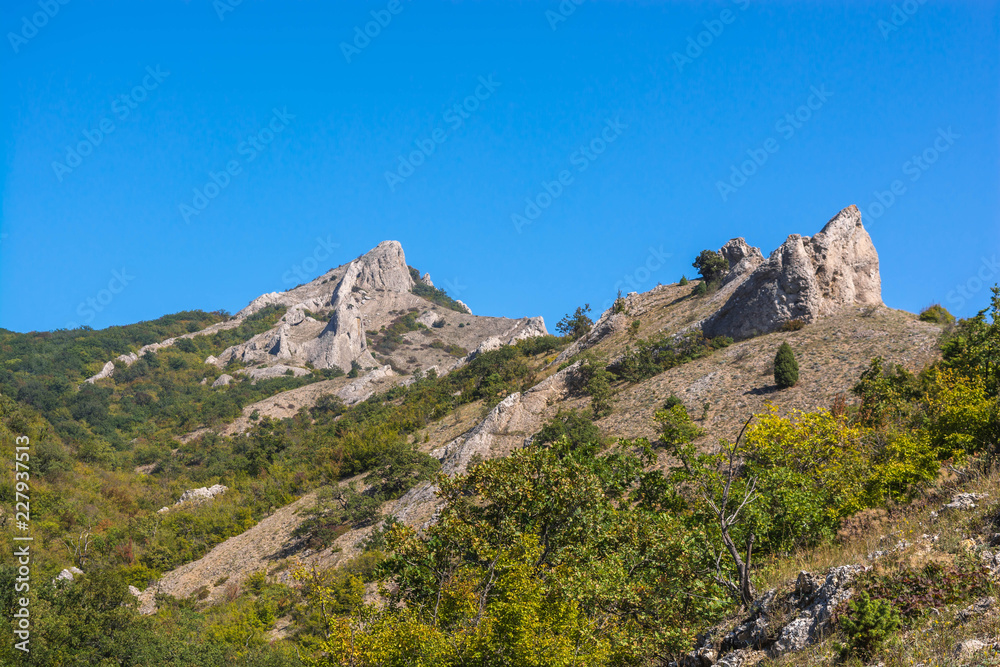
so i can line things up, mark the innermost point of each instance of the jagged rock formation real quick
(804, 279)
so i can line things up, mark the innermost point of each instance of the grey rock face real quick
(426, 279)
(817, 601)
(222, 380)
(343, 340)
(805, 278)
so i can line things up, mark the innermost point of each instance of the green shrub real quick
(786, 368)
(937, 314)
(701, 289)
(712, 266)
(683, 282)
(576, 325)
(867, 624)
(792, 325)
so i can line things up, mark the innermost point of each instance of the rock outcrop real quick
(804, 279)
(197, 495)
(813, 602)
(105, 372)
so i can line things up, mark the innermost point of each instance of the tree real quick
(786, 368)
(683, 282)
(577, 324)
(711, 265)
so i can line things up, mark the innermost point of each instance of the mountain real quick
(213, 461)
(830, 281)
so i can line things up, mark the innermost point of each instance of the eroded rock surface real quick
(804, 279)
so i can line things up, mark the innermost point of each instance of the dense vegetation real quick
(574, 550)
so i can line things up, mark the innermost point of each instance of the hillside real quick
(351, 418)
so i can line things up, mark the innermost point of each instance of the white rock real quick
(222, 380)
(106, 372)
(806, 278)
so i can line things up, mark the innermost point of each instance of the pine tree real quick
(786, 368)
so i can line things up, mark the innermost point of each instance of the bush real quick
(576, 325)
(712, 266)
(937, 314)
(683, 282)
(792, 325)
(701, 289)
(867, 624)
(786, 368)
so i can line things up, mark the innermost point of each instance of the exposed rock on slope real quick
(804, 279)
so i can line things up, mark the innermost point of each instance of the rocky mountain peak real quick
(803, 279)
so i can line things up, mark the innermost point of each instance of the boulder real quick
(222, 380)
(67, 574)
(804, 279)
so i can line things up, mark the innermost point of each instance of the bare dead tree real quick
(727, 514)
(79, 548)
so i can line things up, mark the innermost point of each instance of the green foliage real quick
(577, 325)
(683, 282)
(937, 314)
(390, 338)
(594, 380)
(701, 289)
(974, 348)
(786, 367)
(868, 623)
(572, 425)
(712, 266)
(652, 356)
(676, 427)
(538, 558)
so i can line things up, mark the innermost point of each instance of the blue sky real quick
(244, 145)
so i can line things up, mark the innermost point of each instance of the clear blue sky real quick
(884, 90)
